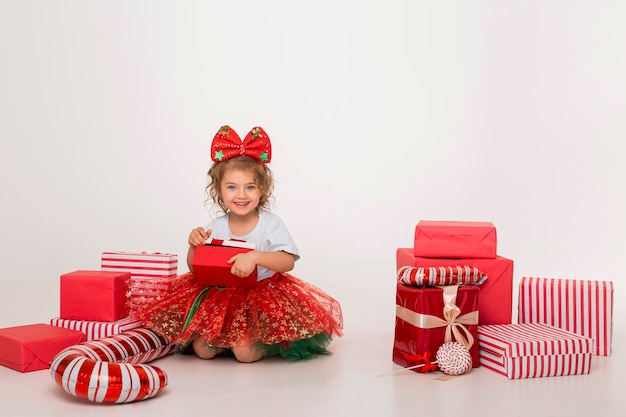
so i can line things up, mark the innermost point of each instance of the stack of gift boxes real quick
(93, 305)
(560, 324)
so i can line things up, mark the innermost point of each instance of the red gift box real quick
(580, 306)
(496, 293)
(533, 350)
(422, 326)
(455, 239)
(150, 273)
(98, 329)
(32, 347)
(211, 268)
(94, 295)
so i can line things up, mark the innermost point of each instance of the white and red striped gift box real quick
(97, 329)
(533, 350)
(580, 306)
(150, 273)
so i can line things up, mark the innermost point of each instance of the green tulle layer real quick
(292, 351)
(300, 349)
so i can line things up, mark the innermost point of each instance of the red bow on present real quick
(227, 144)
(427, 366)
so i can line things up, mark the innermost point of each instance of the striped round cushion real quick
(111, 369)
(440, 275)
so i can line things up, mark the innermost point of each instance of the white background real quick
(381, 113)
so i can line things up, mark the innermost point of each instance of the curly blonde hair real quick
(263, 178)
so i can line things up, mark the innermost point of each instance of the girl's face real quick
(240, 193)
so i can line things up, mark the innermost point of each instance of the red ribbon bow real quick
(227, 144)
(427, 366)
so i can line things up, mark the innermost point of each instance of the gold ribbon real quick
(454, 322)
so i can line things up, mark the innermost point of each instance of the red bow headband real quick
(227, 144)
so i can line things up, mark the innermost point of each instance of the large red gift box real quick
(427, 316)
(455, 239)
(211, 268)
(32, 347)
(150, 273)
(580, 306)
(97, 329)
(496, 293)
(533, 350)
(94, 295)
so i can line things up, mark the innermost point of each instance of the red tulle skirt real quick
(284, 314)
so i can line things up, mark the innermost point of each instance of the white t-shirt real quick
(269, 235)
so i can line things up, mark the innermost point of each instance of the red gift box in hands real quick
(211, 267)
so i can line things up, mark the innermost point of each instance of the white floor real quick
(346, 383)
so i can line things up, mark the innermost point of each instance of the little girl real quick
(282, 315)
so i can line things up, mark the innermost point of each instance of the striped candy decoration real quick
(97, 329)
(440, 275)
(111, 369)
(150, 273)
(533, 350)
(580, 306)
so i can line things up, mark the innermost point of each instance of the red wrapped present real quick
(427, 317)
(533, 350)
(150, 273)
(496, 292)
(94, 295)
(580, 306)
(211, 267)
(454, 239)
(98, 329)
(33, 346)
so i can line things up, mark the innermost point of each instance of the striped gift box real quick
(97, 329)
(580, 306)
(533, 350)
(150, 273)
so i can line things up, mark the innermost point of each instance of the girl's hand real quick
(198, 236)
(243, 264)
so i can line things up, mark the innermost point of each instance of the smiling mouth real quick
(241, 204)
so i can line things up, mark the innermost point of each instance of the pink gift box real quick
(32, 347)
(94, 295)
(580, 306)
(210, 267)
(533, 350)
(150, 273)
(454, 239)
(97, 329)
(495, 304)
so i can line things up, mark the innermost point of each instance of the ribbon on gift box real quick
(424, 362)
(440, 275)
(452, 320)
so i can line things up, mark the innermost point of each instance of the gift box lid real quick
(120, 276)
(455, 239)
(458, 225)
(531, 339)
(147, 256)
